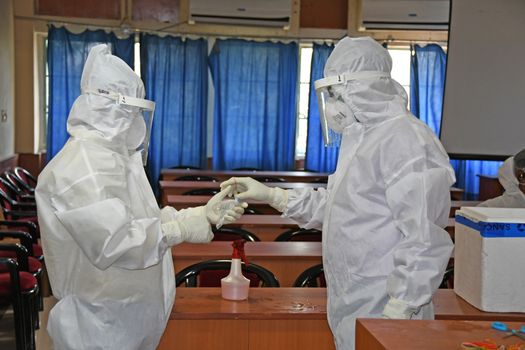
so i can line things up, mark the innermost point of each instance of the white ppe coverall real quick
(107, 256)
(513, 197)
(383, 212)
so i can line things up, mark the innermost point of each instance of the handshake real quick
(189, 225)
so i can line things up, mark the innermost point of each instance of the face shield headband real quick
(325, 95)
(147, 109)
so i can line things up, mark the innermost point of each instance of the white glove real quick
(168, 214)
(248, 188)
(214, 212)
(191, 227)
(398, 309)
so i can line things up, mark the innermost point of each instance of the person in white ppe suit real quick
(511, 175)
(383, 211)
(105, 240)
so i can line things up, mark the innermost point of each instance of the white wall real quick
(7, 129)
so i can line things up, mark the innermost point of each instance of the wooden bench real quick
(286, 260)
(289, 176)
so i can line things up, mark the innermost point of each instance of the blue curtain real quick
(318, 157)
(255, 104)
(66, 54)
(175, 73)
(427, 83)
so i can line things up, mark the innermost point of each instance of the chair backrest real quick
(202, 192)
(448, 279)
(300, 235)
(251, 211)
(25, 176)
(23, 182)
(311, 277)
(15, 188)
(268, 179)
(196, 178)
(233, 234)
(6, 204)
(209, 274)
(8, 188)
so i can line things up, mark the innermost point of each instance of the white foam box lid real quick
(489, 258)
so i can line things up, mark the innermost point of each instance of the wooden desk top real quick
(262, 304)
(270, 303)
(241, 173)
(208, 184)
(200, 200)
(264, 220)
(268, 250)
(376, 334)
(449, 306)
(459, 204)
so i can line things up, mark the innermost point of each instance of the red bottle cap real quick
(238, 250)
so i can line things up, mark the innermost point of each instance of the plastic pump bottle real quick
(235, 286)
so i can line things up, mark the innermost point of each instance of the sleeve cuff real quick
(278, 198)
(398, 309)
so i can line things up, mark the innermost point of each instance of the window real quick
(400, 72)
(305, 65)
(401, 67)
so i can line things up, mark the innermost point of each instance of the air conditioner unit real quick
(406, 14)
(272, 13)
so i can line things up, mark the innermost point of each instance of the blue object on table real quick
(500, 326)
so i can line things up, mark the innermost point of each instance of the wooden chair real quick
(311, 277)
(233, 234)
(209, 274)
(300, 235)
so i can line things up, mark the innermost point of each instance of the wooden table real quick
(381, 334)
(449, 306)
(271, 318)
(266, 227)
(182, 202)
(287, 260)
(289, 176)
(180, 187)
(294, 317)
(456, 193)
(456, 205)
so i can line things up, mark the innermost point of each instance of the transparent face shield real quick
(140, 128)
(327, 99)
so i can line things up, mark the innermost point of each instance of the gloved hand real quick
(167, 214)
(398, 309)
(190, 225)
(214, 213)
(247, 188)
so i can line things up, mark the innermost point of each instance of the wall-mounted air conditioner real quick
(406, 14)
(273, 13)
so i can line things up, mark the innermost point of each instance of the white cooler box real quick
(489, 258)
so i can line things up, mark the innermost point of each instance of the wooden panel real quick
(289, 176)
(156, 10)
(294, 335)
(449, 306)
(489, 187)
(8, 163)
(107, 9)
(262, 304)
(205, 335)
(379, 334)
(34, 163)
(331, 14)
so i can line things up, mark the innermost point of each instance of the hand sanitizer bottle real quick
(235, 286)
